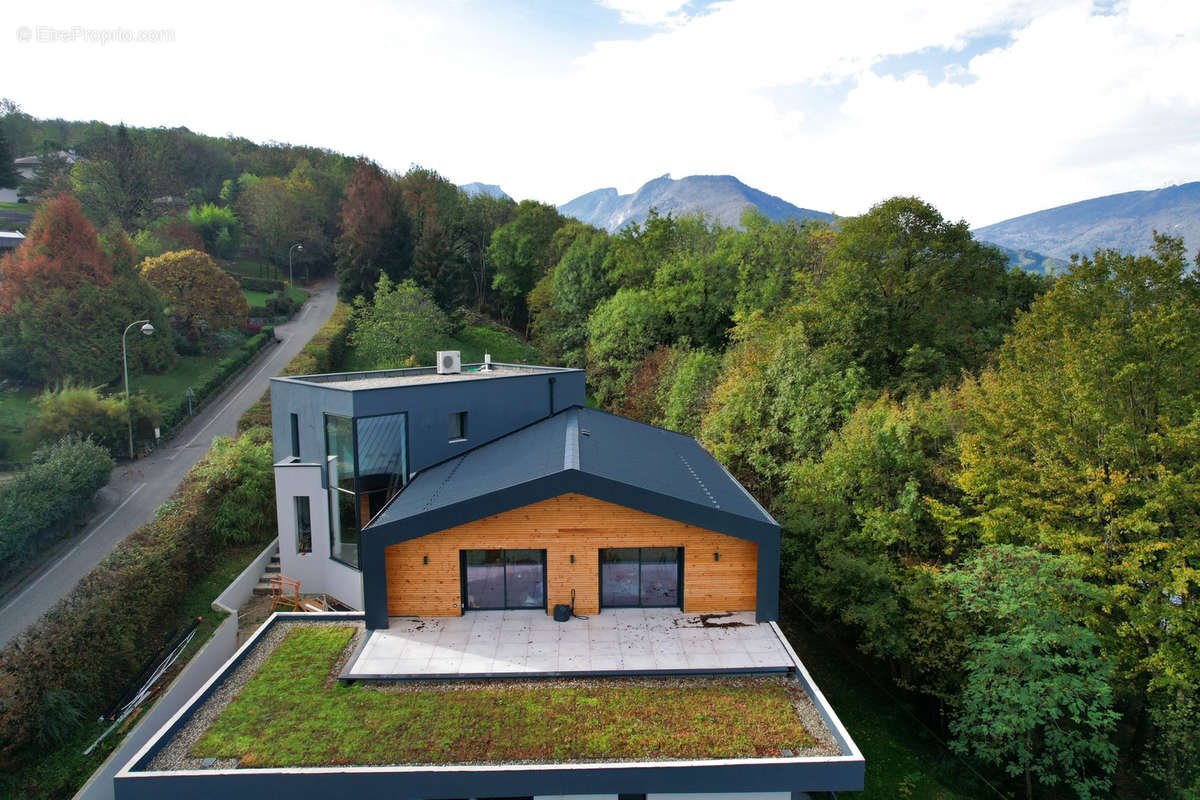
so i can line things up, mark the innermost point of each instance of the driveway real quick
(137, 489)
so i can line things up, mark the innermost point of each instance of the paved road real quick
(137, 489)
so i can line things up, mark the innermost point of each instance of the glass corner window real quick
(367, 466)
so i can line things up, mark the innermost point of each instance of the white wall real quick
(316, 571)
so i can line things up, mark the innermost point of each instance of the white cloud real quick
(648, 12)
(1077, 102)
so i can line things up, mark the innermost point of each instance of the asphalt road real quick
(137, 489)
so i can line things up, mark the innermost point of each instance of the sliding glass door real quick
(649, 577)
(496, 579)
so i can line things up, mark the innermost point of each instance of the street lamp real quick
(147, 329)
(296, 246)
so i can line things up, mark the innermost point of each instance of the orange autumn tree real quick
(63, 307)
(197, 291)
(60, 252)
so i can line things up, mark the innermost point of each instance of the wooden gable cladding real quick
(571, 524)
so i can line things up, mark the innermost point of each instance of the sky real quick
(986, 108)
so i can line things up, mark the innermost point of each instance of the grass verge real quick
(16, 408)
(289, 714)
(259, 299)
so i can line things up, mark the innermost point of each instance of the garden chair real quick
(285, 592)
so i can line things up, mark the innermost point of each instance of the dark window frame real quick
(679, 578)
(462, 579)
(456, 423)
(358, 493)
(300, 533)
(295, 423)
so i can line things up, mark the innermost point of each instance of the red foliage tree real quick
(61, 251)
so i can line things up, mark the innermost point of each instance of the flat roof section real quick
(412, 738)
(418, 376)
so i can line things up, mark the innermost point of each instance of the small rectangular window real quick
(295, 435)
(458, 426)
(303, 525)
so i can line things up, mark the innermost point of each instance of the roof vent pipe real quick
(487, 362)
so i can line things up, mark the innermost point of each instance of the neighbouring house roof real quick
(578, 450)
(11, 240)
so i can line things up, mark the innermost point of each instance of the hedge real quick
(175, 412)
(323, 353)
(43, 503)
(253, 284)
(93, 640)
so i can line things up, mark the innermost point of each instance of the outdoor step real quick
(273, 567)
(262, 588)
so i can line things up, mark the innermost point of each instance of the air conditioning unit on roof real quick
(449, 362)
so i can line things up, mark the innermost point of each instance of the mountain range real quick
(1042, 241)
(491, 189)
(721, 197)
(1124, 222)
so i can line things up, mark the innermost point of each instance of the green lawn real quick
(24, 208)
(259, 299)
(59, 771)
(291, 714)
(16, 407)
(904, 759)
(188, 371)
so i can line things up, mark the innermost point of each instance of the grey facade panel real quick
(761, 775)
(495, 407)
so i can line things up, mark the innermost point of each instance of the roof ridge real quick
(429, 501)
(571, 440)
(696, 478)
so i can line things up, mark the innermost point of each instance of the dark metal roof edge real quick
(310, 379)
(573, 482)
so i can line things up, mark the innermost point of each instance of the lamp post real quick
(147, 329)
(296, 246)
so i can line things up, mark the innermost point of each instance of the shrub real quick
(238, 472)
(39, 505)
(254, 284)
(83, 412)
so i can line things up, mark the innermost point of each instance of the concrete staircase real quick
(264, 588)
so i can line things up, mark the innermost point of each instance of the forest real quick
(987, 479)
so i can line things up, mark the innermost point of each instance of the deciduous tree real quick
(1037, 701)
(197, 291)
(399, 326)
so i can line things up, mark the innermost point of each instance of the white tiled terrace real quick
(491, 643)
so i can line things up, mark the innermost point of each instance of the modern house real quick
(489, 526)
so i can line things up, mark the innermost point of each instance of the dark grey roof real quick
(585, 450)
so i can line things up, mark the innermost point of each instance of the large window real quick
(504, 579)
(368, 459)
(641, 576)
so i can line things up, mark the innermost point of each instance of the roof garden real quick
(284, 707)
